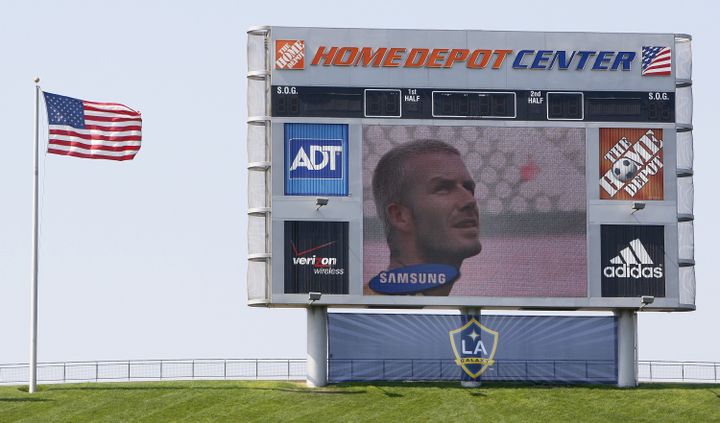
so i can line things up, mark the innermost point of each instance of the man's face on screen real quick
(441, 197)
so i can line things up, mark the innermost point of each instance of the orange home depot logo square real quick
(289, 54)
(631, 164)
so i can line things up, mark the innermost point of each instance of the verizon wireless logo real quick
(633, 262)
(316, 257)
(321, 265)
(631, 164)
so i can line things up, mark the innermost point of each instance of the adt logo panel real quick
(316, 159)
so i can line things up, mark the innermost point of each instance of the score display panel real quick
(499, 170)
(521, 105)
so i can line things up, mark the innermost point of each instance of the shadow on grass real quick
(456, 385)
(475, 393)
(389, 389)
(388, 393)
(16, 399)
(298, 390)
(678, 386)
(527, 385)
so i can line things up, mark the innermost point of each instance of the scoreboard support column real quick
(627, 348)
(317, 351)
(470, 312)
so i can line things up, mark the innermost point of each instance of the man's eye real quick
(440, 188)
(470, 187)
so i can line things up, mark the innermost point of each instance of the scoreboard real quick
(428, 168)
(520, 105)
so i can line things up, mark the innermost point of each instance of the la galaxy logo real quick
(474, 347)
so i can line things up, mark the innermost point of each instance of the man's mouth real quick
(467, 223)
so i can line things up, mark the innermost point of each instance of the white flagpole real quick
(32, 385)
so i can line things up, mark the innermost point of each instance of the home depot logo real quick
(289, 54)
(631, 164)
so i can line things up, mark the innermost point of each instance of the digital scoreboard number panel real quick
(383, 103)
(473, 104)
(522, 105)
(490, 169)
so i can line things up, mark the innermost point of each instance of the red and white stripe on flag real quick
(91, 129)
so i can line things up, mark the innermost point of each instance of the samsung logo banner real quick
(412, 279)
(316, 159)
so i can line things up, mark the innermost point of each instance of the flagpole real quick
(32, 385)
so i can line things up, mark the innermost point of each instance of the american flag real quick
(92, 130)
(656, 61)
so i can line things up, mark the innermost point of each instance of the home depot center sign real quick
(290, 54)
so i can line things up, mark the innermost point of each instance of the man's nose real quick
(467, 198)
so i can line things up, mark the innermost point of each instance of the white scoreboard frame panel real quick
(272, 210)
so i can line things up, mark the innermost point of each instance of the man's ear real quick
(400, 217)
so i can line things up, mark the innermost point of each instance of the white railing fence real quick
(147, 370)
(270, 369)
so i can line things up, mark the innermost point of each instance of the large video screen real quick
(474, 211)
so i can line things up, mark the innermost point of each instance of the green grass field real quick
(240, 401)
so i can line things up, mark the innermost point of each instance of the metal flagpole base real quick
(470, 383)
(317, 358)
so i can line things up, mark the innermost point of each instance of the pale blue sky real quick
(146, 259)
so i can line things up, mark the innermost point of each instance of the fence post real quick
(96, 371)
(682, 367)
(161, 369)
(715, 372)
(383, 367)
(288, 368)
(193, 369)
(351, 370)
(225, 369)
(128, 370)
(412, 369)
(64, 372)
(256, 369)
(651, 377)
